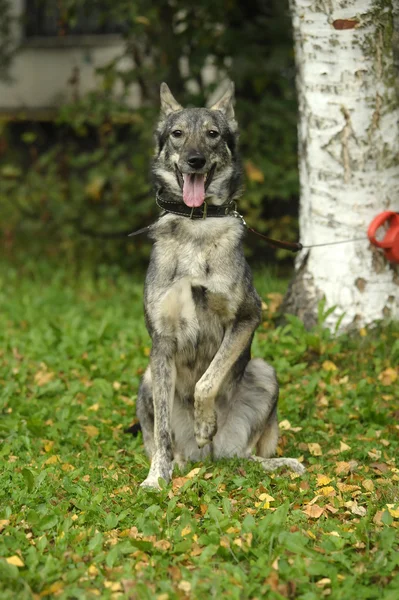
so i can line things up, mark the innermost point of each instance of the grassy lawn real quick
(74, 522)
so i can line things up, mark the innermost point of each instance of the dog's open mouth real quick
(194, 186)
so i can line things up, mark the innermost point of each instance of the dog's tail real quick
(134, 429)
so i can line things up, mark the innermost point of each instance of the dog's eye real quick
(177, 133)
(213, 133)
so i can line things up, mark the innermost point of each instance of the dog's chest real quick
(195, 287)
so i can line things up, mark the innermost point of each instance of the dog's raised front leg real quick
(163, 375)
(236, 339)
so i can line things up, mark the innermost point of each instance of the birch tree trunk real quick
(348, 158)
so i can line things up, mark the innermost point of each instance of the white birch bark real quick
(348, 157)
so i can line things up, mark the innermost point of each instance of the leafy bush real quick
(88, 172)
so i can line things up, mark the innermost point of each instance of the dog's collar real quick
(202, 212)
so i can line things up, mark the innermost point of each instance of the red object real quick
(390, 242)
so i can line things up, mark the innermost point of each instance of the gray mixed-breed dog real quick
(202, 394)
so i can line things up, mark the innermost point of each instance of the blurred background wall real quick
(79, 89)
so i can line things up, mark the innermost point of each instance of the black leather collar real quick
(202, 212)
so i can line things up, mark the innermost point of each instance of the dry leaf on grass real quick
(315, 449)
(328, 365)
(314, 511)
(343, 468)
(343, 447)
(394, 512)
(91, 430)
(322, 480)
(43, 376)
(4, 523)
(15, 560)
(52, 460)
(388, 376)
(193, 473)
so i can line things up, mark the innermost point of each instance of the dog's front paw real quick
(205, 429)
(161, 467)
(151, 482)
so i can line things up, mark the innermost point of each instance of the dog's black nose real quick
(196, 160)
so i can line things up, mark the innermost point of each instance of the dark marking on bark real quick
(342, 24)
(207, 268)
(387, 312)
(360, 283)
(378, 261)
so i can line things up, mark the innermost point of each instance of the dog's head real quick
(196, 155)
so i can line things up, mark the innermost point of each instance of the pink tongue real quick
(193, 189)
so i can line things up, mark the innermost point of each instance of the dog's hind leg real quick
(163, 375)
(250, 419)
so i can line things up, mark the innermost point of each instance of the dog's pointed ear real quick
(226, 103)
(168, 103)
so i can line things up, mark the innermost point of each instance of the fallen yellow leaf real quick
(345, 487)
(186, 531)
(178, 482)
(91, 430)
(43, 376)
(368, 485)
(328, 365)
(322, 480)
(15, 560)
(225, 542)
(328, 490)
(162, 545)
(193, 473)
(311, 534)
(92, 570)
(4, 523)
(48, 446)
(94, 407)
(315, 511)
(332, 510)
(343, 468)
(114, 586)
(184, 586)
(52, 460)
(54, 588)
(265, 497)
(67, 467)
(343, 447)
(394, 512)
(315, 449)
(388, 376)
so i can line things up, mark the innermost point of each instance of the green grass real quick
(73, 516)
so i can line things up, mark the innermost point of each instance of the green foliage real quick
(6, 40)
(88, 173)
(74, 522)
